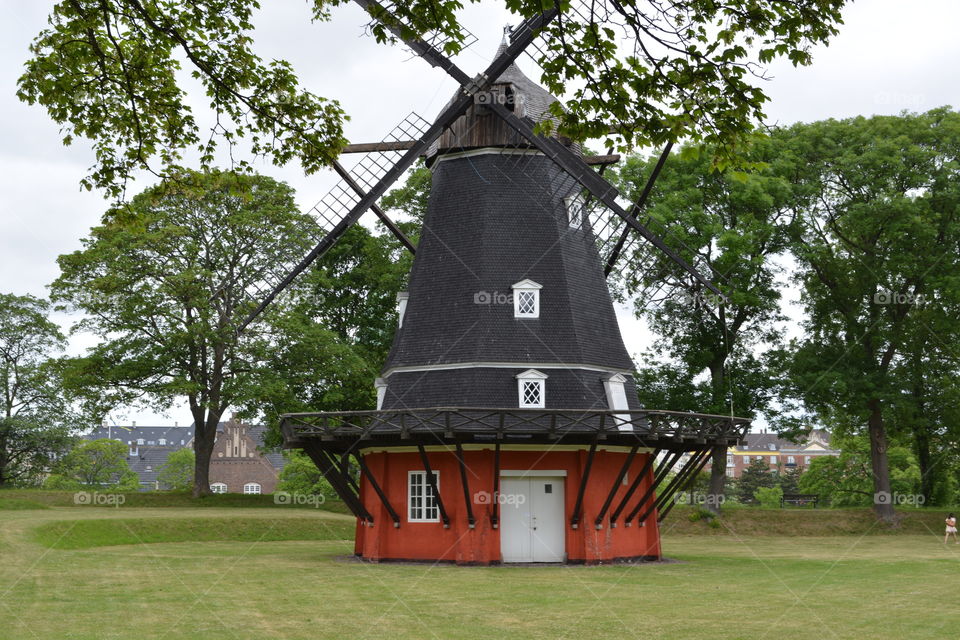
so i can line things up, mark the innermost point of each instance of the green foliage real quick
(768, 497)
(59, 482)
(164, 282)
(35, 415)
(301, 476)
(756, 476)
(845, 480)
(177, 472)
(790, 480)
(877, 250)
(98, 463)
(113, 72)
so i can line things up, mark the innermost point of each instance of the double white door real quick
(531, 519)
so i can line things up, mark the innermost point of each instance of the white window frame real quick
(218, 487)
(575, 206)
(419, 513)
(791, 460)
(773, 459)
(402, 299)
(526, 287)
(140, 441)
(746, 460)
(163, 442)
(806, 460)
(381, 386)
(617, 400)
(532, 376)
(248, 489)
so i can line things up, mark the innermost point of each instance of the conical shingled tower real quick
(504, 226)
(507, 427)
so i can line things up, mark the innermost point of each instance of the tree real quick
(879, 241)
(99, 463)
(768, 497)
(845, 480)
(737, 226)
(112, 71)
(332, 339)
(177, 472)
(35, 416)
(164, 281)
(756, 475)
(302, 477)
(790, 480)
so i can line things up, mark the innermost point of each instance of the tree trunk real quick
(204, 437)
(718, 479)
(882, 496)
(921, 439)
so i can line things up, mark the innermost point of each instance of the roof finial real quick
(506, 35)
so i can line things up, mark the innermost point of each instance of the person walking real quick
(951, 528)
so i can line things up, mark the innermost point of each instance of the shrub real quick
(768, 497)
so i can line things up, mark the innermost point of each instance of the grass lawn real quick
(81, 572)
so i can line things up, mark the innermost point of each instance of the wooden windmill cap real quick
(480, 128)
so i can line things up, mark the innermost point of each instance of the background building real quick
(779, 453)
(237, 464)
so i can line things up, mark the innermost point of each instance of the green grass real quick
(49, 498)
(85, 534)
(250, 578)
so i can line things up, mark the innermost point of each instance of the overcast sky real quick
(890, 56)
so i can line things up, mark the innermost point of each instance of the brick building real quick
(237, 466)
(779, 454)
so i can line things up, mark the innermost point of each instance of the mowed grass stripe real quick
(87, 534)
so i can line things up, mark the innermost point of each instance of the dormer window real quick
(402, 298)
(532, 389)
(526, 299)
(617, 400)
(381, 386)
(575, 205)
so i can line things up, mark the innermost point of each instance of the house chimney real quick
(133, 423)
(176, 424)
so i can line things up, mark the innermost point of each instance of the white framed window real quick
(772, 447)
(729, 461)
(381, 386)
(218, 487)
(617, 399)
(575, 205)
(140, 441)
(746, 460)
(791, 460)
(532, 389)
(251, 488)
(421, 503)
(773, 459)
(526, 299)
(402, 298)
(806, 460)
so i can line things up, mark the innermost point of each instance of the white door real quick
(531, 519)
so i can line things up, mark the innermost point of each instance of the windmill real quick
(508, 427)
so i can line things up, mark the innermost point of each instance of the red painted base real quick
(431, 541)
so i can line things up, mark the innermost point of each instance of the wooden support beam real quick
(433, 486)
(365, 470)
(330, 470)
(578, 507)
(495, 517)
(662, 470)
(467, 499)
(633, 487)
(598, 522)
(700, 467)
(659, 502)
